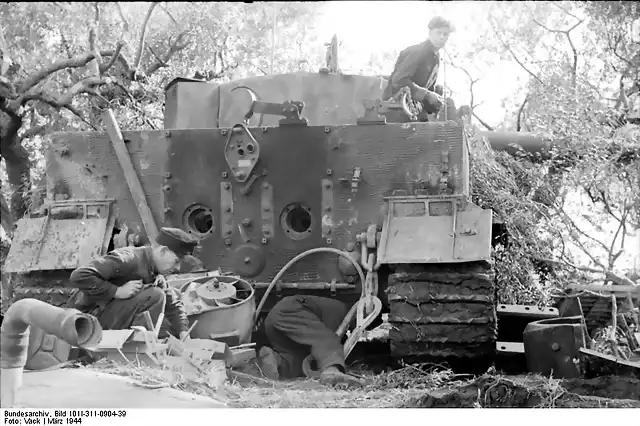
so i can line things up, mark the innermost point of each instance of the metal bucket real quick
(552, 346)
(230, 324)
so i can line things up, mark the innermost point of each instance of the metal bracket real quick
(267, 211)
(327, 208)
(226, 207)
(375, 111)
(242, 152)
(355, 179)
(290, 110)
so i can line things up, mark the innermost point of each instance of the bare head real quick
(439, 30)
(165, 260)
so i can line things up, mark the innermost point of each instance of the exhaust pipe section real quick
(70, 325)
(514, 142)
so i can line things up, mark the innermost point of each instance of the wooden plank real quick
(633, 289)
(130, 175)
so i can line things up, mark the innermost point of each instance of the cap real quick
(178, 241)
(440, 22)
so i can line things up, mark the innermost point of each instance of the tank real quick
(265, 168)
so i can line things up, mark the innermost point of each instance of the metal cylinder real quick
(70, 325)
(552, 346)
(513, 142)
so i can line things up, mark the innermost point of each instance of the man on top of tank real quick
(119, 287)
(417, 67)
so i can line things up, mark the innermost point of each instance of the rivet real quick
(166, 188)
(264, 129)
(327, 186)
(327, 129)
(228, 209)
(167, 209)
(227, 242)
(224, 132)
(264, 241)
(247, 259)
(328, 240)
(224, 175)
(329, 172)
(168, 175)
(351, 279)
(227, 185)
(265, 185)
(555, 346)
(167, 133)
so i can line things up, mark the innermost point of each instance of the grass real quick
(385, 390)
(418, 385)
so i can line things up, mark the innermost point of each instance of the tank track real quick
(442, 312)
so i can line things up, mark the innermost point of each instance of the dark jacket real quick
(100, 279)
(416, 66)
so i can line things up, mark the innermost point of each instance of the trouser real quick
(301, 325)
(120, 314)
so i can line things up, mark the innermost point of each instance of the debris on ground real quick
(490, 391)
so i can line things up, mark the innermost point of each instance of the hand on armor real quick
(420, 94)
(434, 99)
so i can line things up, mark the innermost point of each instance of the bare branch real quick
(574, 226)
(105, 67)
(520, 110)
(564, 10)
(6, 217)
(77, 62)
(175, 46)
(166, 10)
(87, 85)
(138, 58)
(120, 58)
(515, 57)
(482, 122)
(125, 23)
(610, 275)
(155, 55)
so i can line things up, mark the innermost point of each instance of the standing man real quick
(119, 287)
(417, 68)
(301, 325)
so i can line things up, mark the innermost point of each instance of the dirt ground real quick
(411, 386)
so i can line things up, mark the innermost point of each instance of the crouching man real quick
(119, 287)
(301, 325)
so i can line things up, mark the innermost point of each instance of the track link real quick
(442, 312)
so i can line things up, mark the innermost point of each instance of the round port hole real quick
(199, 220)
(296, 221)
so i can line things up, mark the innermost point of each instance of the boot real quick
(268, 361)
(333, 376)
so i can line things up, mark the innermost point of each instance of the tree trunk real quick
(17, 163)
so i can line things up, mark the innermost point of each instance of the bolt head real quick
(247, 259)
(264, 241)
(351, 247)
(227, 241)
(555, 347)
